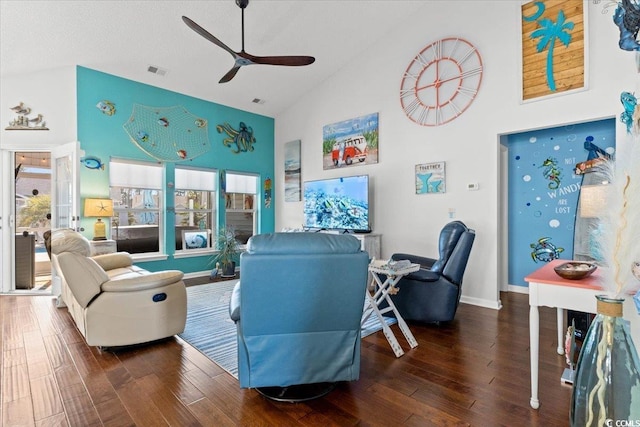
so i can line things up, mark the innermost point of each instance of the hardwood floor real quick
(474, 371)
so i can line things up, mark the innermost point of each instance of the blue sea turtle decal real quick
(545, 251)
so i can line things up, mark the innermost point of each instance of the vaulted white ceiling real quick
(125, 37)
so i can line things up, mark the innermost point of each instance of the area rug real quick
(210, 330)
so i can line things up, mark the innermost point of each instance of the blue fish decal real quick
(92, 162)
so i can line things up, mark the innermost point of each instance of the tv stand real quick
(370, 243)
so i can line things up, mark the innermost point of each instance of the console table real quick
(548, 289)
(382, 291)
(101, 247)
(370, 243)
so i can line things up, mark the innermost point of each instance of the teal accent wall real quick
(103, 136)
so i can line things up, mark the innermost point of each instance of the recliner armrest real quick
(424, 262)
(113, 261)
(234, 304)
(423, 275)
(143, 282)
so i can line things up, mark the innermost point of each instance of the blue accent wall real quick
(103, 136)
(544, 192)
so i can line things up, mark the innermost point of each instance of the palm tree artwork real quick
(548, 33)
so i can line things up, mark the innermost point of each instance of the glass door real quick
(64, 190)
(65, 196)
(32, 209)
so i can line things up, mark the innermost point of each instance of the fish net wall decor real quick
(169, 134)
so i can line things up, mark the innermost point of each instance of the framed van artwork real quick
(554, 48)
(350, 142)
(430, 178)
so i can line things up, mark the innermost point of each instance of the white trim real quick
(144, 257)
(518, 289)
(496, 305)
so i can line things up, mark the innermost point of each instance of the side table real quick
(101, 247)
(382, 291)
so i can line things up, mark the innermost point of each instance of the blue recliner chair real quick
(432, 294)
(298, 309)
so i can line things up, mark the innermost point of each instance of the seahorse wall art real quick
(630, 104)
(243, 138)
(552, 172)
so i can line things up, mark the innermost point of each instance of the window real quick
(136, 191)
(195, 204)
(241, 205)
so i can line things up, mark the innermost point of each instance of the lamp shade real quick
(98, 208)
(593, 200)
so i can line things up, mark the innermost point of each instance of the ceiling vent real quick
(157, 70)
(258, 101)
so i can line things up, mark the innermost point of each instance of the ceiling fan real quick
(243, 58)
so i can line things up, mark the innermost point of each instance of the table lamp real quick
(99, 208)
(593, 200)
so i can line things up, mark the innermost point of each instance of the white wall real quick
(53, 94)
(469, 145)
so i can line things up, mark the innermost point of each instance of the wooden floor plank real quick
(472, 371)
(15, 382)
(46, 398)
(18, 412)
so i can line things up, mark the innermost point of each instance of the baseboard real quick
(496, 305)
(518, 289)
(196, 274)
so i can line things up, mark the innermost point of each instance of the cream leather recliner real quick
(113, 302)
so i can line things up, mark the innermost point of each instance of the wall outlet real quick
(472, 186)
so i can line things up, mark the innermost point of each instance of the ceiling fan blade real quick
(207, 35)
(230, 74)
(294, 61)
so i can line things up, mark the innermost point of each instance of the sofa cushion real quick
(126, 272)
(113, 261)
(67, 240)
(303, 243)
(140, 282)
(83, 276)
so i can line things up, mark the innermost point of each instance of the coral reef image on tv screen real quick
(337, 203)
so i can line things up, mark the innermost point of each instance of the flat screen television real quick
(337, 204)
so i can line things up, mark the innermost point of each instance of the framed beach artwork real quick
(554, 48)
(430, 178)
(196, 239)
(350, 142)
(292, 172)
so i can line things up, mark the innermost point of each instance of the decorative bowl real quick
(575, 270)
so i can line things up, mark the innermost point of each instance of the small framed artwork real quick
(350, 142)
(430, 178)
(196, 239)
(292, 171)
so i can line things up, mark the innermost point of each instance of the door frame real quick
(7, 202)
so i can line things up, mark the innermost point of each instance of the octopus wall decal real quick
(243, 138)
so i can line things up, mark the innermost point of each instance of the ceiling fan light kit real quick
(243, 58)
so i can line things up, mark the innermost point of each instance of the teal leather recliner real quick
(432, 294)
(298, 309)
